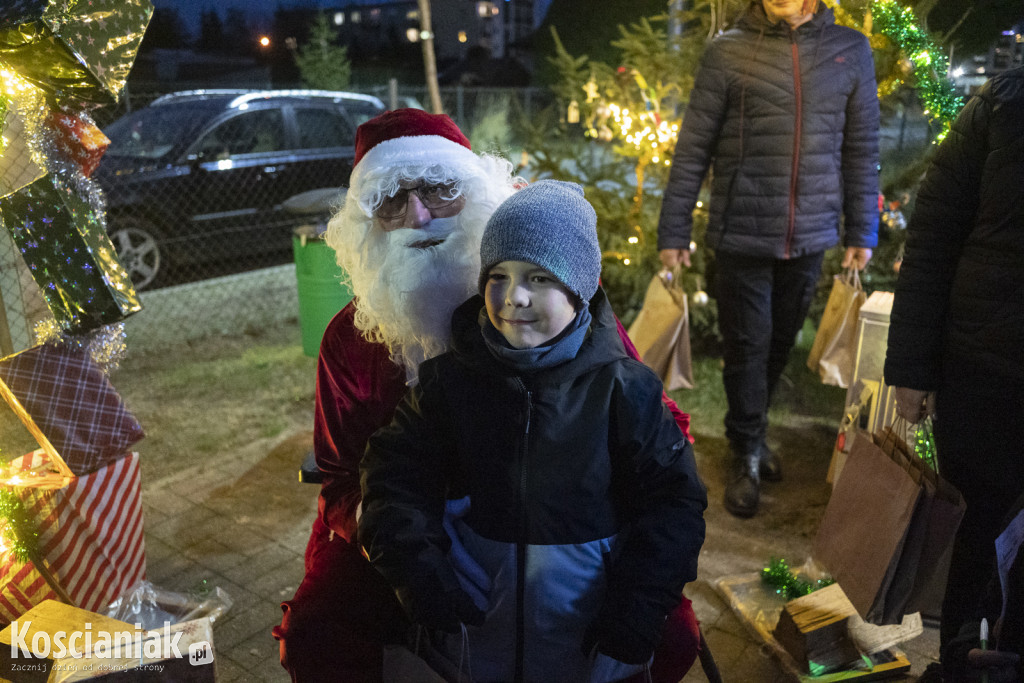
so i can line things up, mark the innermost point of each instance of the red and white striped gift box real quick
(90, 534)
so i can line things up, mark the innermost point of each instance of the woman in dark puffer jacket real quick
(957, 325)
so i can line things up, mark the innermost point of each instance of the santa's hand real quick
(472, 577)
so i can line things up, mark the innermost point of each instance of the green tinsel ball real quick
(779, 576)
(924, 446)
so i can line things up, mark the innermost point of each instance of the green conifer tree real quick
(323, 64)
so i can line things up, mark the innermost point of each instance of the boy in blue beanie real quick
(585, 509)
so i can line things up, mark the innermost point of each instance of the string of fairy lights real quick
(930, 67)
(653, 138)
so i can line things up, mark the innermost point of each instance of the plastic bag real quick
(150, 606)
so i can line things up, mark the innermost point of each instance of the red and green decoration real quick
(18, 533)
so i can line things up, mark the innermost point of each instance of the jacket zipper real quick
(791, 228)
(521, 543)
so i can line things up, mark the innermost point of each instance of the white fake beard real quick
(405, 296)
(406, 302)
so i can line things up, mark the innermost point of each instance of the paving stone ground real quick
(242, 523)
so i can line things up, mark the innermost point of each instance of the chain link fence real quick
(203, 196)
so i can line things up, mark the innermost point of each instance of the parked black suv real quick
(199, 178)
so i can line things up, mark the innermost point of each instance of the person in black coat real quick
(784, 109)
(956, 335)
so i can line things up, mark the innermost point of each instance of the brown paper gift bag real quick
(887, 518)
(835, 344)
(918, 580)
(661, 332)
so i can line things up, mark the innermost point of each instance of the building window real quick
(486, 9)
(413, 34)
(355, 17)
(339, 18)
(413, 15)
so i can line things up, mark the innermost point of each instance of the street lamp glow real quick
(264, 41)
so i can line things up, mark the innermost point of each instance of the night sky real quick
(260, 12)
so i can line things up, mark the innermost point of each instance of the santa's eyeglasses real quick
(433, 198)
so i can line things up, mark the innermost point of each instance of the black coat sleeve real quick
(665, 530)
(943, 216)
(404, 476)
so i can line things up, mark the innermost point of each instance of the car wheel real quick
(137, 244)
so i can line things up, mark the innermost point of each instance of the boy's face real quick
(527, 304)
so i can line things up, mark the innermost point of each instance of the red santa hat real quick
(408, 137)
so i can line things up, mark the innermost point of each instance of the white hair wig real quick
(405, 295)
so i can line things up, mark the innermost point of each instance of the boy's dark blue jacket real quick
(586, 507)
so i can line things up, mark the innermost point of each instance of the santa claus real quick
(408, 236)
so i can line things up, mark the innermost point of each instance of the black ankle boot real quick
(769, 467)
(742, 491)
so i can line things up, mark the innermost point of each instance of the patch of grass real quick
(800, 397)
(209, 400)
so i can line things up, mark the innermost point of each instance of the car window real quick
(152, 132)
(252, 132)
(323, 128)
(361, 111)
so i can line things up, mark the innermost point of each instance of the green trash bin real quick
(321, 292)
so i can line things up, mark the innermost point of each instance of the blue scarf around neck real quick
(562, 348)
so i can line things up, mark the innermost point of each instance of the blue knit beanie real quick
(550, 224)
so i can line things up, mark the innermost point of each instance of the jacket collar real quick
(601, 346)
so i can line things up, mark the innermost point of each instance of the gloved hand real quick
(472, 577)
(442, 610)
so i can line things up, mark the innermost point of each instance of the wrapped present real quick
(50, 472)
(18, 168)
(78, 138)
(21, 300)
(82, 50)
(71, 400)
(70, 255)
(90, 537)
